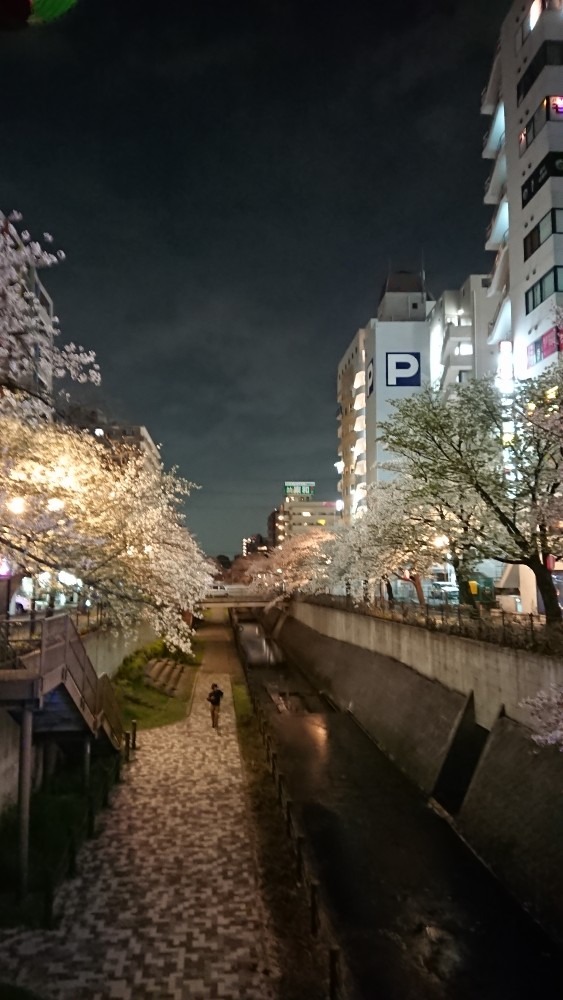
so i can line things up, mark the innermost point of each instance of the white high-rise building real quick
(351, 392)
(459, 331)
(388, 360)
(397, 358)
(524, 99)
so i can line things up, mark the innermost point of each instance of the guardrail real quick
(107, 711)
(518, 631)
(23, 632)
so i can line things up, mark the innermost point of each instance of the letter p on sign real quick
(403, 369)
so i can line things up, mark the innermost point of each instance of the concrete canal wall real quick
(107, 650)
(447, 711)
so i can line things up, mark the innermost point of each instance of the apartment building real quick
(300, 512)
(387, 360)
(459, 333)
(26, 361)
(351, 415)
(524, 100)
(115, 433)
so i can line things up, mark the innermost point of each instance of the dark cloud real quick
(230, 183)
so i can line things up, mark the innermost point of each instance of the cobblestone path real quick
(166, 904)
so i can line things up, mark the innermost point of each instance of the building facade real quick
(459, 333)
(397, 359)
(116, 434)
(300, 512)
(387, 360)
(351, 415)
(524, 100)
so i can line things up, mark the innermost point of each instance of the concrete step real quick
(149, 667)
(174, 679)
(157, 670)
(166, 674)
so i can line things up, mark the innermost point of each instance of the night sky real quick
(230, 183)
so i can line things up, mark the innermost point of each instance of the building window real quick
(549, 54)
(534, 126)
(551, 223)
(550, 166)
(542, 289)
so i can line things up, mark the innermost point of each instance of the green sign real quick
(299, 489)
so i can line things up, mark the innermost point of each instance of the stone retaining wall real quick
(499, 677)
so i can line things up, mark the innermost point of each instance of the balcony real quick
(457, 371)
(499, 273)
(494, 139)
(496, 181)
(491, 93)
(497, 233)
(501, 326)
(457, 346)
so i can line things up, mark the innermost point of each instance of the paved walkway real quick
(166, 904)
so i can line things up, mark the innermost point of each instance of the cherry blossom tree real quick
(30, 356)
(392, 538)
(299, 565)
(115, 525)
(546, 710)
(495, 464)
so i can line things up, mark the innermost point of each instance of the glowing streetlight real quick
(17, 505)
(441, 541)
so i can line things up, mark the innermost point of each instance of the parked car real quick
(443, 593)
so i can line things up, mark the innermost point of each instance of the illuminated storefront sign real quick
(544, 347)
(299, 489)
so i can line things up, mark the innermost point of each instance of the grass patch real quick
(138, 700)
(302, 965)
(151, 708)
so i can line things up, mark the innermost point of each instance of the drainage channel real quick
(417, 915)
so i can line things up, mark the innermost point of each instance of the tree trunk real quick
(547, 590)
(50, 610)
(415, 580)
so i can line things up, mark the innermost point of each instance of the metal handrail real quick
(107, 709)
(59, 647)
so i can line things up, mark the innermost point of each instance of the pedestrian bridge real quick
(235, 601)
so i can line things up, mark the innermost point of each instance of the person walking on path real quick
(214, 699)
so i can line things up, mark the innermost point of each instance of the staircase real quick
(51, 689)
(56, 680)
(168, 676)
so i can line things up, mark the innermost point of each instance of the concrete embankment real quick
(447, 711)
